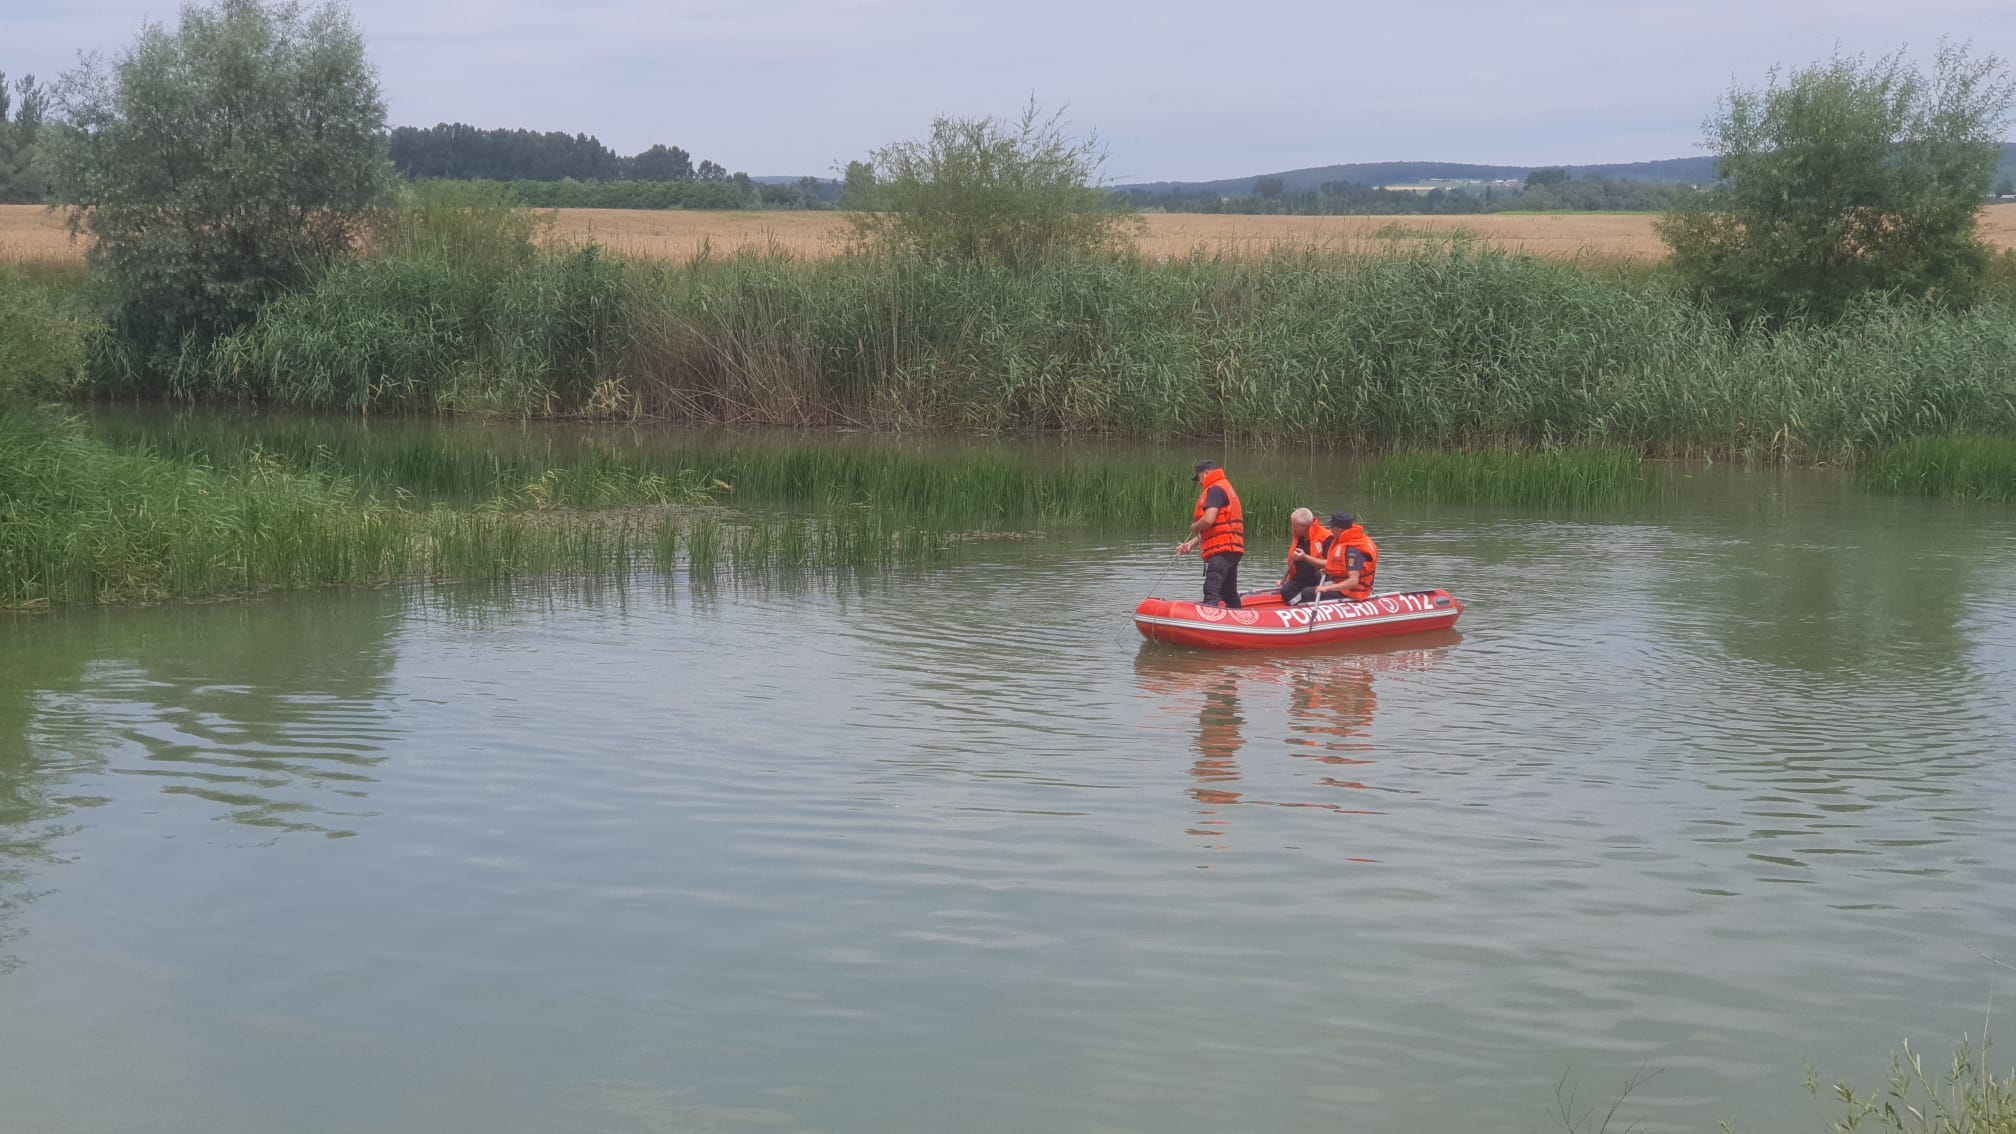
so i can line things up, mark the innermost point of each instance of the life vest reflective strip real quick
(1337, 562)
(1311, 543)
(1228, 533)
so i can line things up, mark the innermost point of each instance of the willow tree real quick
(1845, 178)
(1011, 192)
(220, 163)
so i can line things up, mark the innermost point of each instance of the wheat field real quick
(32, 234)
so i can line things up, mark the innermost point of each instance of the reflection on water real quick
(265, 715)
(269, 713)
(1330, 700)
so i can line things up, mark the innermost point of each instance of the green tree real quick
(858, 192)
(661, 163)
(221, 163)
(1542, 178)
(21, 177)
(1845, 178)
(1268, 188)
(993, 191)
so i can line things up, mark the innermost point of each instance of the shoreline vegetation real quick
(1434, 344)
(986, 283)
(1483, 376)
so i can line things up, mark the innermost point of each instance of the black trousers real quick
(1221, 579)
(1301, 586)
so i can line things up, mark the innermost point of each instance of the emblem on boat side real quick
(1211, 613)
(1246, 617)
(1389, 604)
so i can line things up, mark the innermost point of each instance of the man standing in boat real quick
(1351, 562)
(1306, 540)
(1220, 527)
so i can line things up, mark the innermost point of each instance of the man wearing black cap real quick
(1351, 562)
(1219, 526)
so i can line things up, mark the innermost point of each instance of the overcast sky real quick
(1180, 89)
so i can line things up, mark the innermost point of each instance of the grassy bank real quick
(1440, 346)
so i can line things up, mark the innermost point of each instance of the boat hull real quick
(1265, 622)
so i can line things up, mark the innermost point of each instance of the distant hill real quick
(1685, 171)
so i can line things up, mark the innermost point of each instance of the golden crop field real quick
(29, 233)
(678, 235)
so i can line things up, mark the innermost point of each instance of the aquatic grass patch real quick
(1552, 478)
(974, 492)
(917, 483)
(82, 521)
(410, 462)
(1963, 468)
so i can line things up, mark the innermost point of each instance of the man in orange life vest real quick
(1350, 563)
(1220, 526)
(1306, 540)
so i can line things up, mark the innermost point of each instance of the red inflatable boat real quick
(1265, 622)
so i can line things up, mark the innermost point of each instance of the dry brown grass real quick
(31, 234)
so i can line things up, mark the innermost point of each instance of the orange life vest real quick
(1337, 562)
(1228, 533)
(1311, 544)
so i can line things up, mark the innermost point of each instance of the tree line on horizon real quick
(456, 151)
(555, 169)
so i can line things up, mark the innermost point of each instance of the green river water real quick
(1713, 787)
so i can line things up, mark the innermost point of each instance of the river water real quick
(1705, 790)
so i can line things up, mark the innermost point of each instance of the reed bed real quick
(962, 490)
(1551, 479)
(1434, 345)
(971, 493)
(1962, 468)
(84, 522)
(408, 463)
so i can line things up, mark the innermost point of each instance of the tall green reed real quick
(1441, 345)
(1553, 478)
(1965, 468)
(84, 522)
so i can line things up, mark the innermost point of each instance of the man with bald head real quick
(1306, 539)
